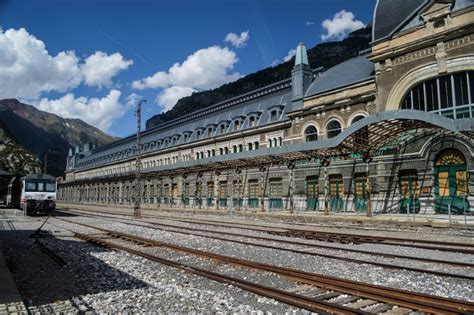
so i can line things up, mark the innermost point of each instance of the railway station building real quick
(388, 131)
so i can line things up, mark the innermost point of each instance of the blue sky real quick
(94, 59)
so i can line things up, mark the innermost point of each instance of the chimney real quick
(301, 76)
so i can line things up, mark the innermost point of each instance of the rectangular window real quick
(223, 189)
(461, 183)
(250, 146)
(30, 186)
(186, 190)
(254, 188)
(210, 189)
(446, 92)
(50, 187)
(407, 101)
(276, 188)
(443, 184)
(470, 74)
(418, 98)
(431, 95)
(255, 145)
(460, 88)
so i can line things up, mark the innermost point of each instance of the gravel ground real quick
(103, 281)
(426, 283)
(97, 280)
(417, 232)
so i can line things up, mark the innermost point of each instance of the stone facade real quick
(422, 172)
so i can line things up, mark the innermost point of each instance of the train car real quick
(37, 192)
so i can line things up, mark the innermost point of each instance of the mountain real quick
(13, 157)
(323, 55)
(48, 134)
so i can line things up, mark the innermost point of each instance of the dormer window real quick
(187, 135)
(275, 112)
(253, 119)
(200, 132)
(175, 139)
(210, 130)
(237, 124)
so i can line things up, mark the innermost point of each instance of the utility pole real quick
(137, 211)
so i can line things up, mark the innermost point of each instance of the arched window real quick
(333, 128)
(357, 118)
(311, 133)
(362, 136)
(449, 95)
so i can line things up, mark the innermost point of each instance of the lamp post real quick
(137, 211)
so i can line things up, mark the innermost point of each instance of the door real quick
(253, 193)
(312, 193)
(276, 193)
(335, 193)
(409, 192)
(223, 194)
(210, 194)
(451, 182)
(360, 193)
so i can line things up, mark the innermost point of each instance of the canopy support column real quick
(325, 163)
(262, 170)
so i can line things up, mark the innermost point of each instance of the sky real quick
(95, 59)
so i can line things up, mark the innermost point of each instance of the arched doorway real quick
(450, 173)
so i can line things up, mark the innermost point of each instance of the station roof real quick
(392, 16)
(349, 72)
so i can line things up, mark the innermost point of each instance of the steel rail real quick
(354, 237)
(455, 250)
(286, 297)
(412, 300)
(428, 260)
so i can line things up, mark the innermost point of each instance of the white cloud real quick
(100, 68)
(341, 24)
(237, 40)
(27, 69)
(206, 68)
(133, 99)
(99, 112)
(169, 96)
(309, 23)
(290, 54)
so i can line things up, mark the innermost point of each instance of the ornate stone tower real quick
(301, 76)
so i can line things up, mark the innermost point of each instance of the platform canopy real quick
(378, 134)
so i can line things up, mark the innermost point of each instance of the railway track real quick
(315, 292)
(332, 237)
(306, 249)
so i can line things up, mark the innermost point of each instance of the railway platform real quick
(10, 299)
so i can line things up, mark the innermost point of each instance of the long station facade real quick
(389, 131)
